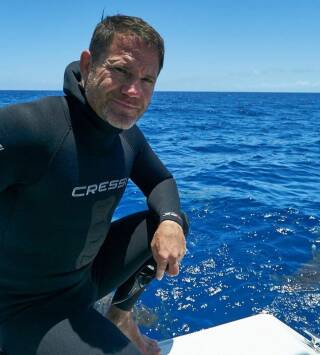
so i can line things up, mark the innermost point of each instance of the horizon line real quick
(186, 91)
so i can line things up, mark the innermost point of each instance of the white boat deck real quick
(262, 334)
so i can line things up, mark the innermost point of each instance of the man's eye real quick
(120, 70)
(148, 80)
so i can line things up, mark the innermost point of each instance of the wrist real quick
(168, 222)
(173, 217)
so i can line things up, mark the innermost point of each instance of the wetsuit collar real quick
(72, 87)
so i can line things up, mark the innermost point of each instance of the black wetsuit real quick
(63, 171)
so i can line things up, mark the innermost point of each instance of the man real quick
(65, 162)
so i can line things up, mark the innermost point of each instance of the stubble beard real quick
(120, 121)
(101, 106)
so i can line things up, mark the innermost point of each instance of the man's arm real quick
(158, 185)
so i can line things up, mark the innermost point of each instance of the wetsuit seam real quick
(137, 148)
(64, 136)
(65, 109)
(56, 151)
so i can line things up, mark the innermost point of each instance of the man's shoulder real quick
(33, 110)
(29, 136)
(40, 123)
(134, 135)
(37, 117)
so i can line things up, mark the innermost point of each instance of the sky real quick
(226, 45)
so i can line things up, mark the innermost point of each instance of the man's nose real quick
(132, 88)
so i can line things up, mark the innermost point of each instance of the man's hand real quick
(168, 247)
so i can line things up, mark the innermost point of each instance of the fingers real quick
(161, 269)
(172, 269)
(168, 264)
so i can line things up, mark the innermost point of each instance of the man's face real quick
(120, 85)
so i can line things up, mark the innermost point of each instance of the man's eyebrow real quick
(127, 63)
(119, 60)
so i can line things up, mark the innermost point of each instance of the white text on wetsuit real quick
(81, 191)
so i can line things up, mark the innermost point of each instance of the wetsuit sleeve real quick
(156, 182)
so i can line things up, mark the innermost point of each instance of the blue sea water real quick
(248, 169)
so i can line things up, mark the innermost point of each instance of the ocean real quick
(248, 170)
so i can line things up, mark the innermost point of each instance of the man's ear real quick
(85, 63)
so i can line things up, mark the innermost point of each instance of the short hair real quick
(105, 30)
